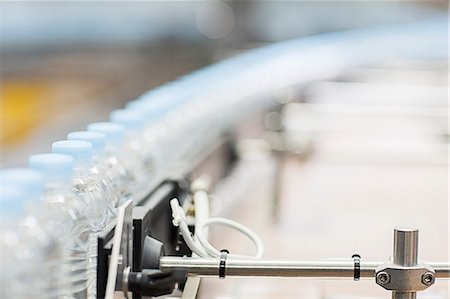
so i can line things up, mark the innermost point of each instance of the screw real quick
(383, 278)
(428, 278)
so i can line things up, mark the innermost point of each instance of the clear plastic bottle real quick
(155, 133)
(172, 114)
(31, 256)
(66, 214)
(101, 170)
(139, 153)
(89, 192)
(10, 213)
(124, 180)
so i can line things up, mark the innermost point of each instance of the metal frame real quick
(281, 268)
(404, 276)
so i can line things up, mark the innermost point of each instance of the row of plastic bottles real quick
(54, 210)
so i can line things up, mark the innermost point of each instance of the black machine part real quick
(154, 282)
(151, 253)
(151, 281)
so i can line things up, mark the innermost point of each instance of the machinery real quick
(145, 253)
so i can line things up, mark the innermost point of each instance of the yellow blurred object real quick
(21, 103)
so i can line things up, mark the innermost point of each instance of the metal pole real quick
(442, 270)
(406, 244)
(261, 267)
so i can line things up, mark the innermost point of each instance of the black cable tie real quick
(357, 267)
(223, 263)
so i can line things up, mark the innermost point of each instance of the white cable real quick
(200, 244)
(201, 204)
(179, 220)
(232, 224)
(190, 242)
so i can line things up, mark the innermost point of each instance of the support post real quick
(406, 244)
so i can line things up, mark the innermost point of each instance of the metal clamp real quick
(398, 278)
(404, 277)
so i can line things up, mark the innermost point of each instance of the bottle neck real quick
(114, 149)
(97, 159)
(81, 171)
(133, 135)
(57, 188)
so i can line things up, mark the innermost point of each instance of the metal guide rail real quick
(158, 274)
(404, 275)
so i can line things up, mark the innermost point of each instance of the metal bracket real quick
(394, 277)
(404, 277)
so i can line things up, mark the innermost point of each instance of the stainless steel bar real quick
(442, 270)
(406, 244)
(404, 295)
(254, 267)
(261, 267)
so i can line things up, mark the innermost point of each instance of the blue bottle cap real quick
(114, 133)
(12, 201)
(30, 181)
(81, 151)
(54, 167)
(153, 110)
(98, 140)
(130, 119)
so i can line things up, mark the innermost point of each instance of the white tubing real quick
(232, 224)
(179, 220)
(201, 203)
(200, 245)
(190, 242)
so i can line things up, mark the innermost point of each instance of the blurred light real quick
(215, 19)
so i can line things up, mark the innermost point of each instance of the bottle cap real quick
(114, 133)
(81, 151)
(130, 119)
(153, 110)
(27, 180)
(54, 167)
(98, 140)
(12, 200)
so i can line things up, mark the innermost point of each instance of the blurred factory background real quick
(354, 172)
(67, 63)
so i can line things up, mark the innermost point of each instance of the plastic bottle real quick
(89, 192)
(116, 161)
(156, 131)
(11, 214)
(26, 246)
(101, 170)
(139, 153)
(67, 215)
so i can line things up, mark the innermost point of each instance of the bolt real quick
(383, 278)
(428, 278)
(120, 259)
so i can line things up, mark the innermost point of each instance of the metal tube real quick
(406, 244)
(442, 270)
(261, 267)
(404, 295)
